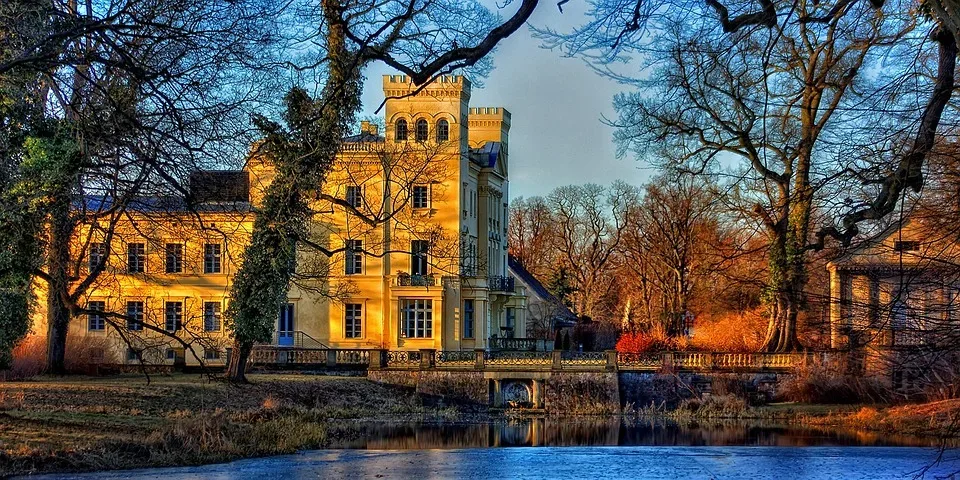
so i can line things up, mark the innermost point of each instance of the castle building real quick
(406, 250)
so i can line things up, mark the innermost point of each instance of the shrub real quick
(652, 340)
(730, 332)
(819, 382)
(29, 358)
(85, 353)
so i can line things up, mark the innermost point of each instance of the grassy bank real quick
(77, 424)
(938, 419)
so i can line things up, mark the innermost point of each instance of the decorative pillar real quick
(611, 360)
(378, 359)
(480, 359)
(331, 358)
(428, 358)
(557, 359)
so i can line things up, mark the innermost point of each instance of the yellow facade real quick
(363, 279)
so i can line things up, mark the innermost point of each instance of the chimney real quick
(368, 127)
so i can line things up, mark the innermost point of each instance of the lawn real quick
(84, 423)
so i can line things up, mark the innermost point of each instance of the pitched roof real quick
(521, 273)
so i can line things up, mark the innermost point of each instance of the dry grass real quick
(83, 423)
(940, 418)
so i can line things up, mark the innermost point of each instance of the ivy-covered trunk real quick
(302, 155)
(58, 261)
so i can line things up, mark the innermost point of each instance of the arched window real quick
(443, 131)
(422, 130)
(401, 129)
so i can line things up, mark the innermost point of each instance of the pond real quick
(587, 448)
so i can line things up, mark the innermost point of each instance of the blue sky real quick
(557, 137)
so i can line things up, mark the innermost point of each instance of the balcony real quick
(408, 280)
(500, 284)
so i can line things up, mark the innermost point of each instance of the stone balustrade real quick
(474, 360)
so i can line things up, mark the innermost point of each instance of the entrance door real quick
(285, 326)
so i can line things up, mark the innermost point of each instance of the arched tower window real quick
(443, 131)
(422, 130)
(401, 129)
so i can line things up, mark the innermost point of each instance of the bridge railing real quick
(294, 357)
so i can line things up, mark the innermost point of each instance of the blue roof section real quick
(159, 204)
(363, 137)
(487, 155)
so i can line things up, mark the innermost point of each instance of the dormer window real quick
(443, 131)
(401, 129)
(906, 246)
(422, 130)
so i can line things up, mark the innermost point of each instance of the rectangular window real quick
(419, 258)
(135, 316)
(174, 258)
(173, 316)
(353, 261)
(906, 246)
(211, 354)
(354, 196)
(171, 354)
(133, 355)
(211, 316)
(353, 320)
(417, 318)
(511, 318)
(136, 258)
(96, 322)
(421, 196)
(468, 316)
(211, 258)
(98, 254)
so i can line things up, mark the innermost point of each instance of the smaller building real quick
(546, 314)
(894, 299)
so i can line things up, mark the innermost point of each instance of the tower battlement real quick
(488, 116)
(446, 85)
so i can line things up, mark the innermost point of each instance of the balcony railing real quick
(500, 284)
(296, 339)
(513, 344)
(407, 280)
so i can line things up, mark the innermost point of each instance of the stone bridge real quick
(538, 379)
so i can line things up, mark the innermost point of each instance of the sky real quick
(556, 136)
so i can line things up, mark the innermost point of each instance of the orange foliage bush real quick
(730, 332)
(29, 358)
(653, 340)
(631, 342)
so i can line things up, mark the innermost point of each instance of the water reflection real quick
(556, 432)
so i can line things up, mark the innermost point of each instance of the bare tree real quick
(591, 221)
(133, 95)
(786, 88)
(670, 231)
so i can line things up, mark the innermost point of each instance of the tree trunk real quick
(786, 291)
(58, 309)
(236, 371)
